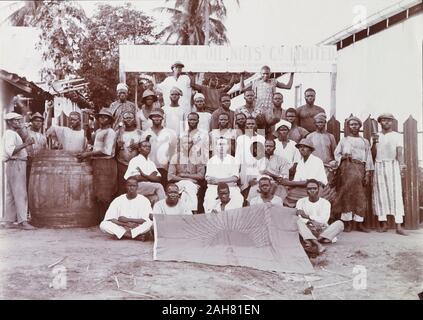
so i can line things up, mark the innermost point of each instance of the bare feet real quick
(401, 232)
(348, 226)
(26, 226)
(361, 228)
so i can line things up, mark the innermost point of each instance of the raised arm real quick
(242, 86)
(288, 85)
(193, 84)
(229, 85)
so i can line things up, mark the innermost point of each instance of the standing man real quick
(389, 162)
(224, 200)
(285, 147)
(212, 93)
(296, 133)
(172, 204)
(15, 158)
(103, 162)
(354, 158)
(265, 193)
(71, 139)
(181, 81)
(149, 101)
(203, 115)
(240, 121)
(127, 145)
(324, 142)
(128, 214)
(249, 108)
(306, 113)
(198, 138)
(223, 131)
(225, 103)
(163, 143)
(264, 88)
(222, 167)
(145, 172)
(121, 105)
(314, 214)
(40, 141)
(174, 112)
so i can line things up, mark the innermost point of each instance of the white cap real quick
(199, 95)
(12, 115)
(122, 86)
(283, 123)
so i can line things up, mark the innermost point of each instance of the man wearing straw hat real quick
(354, 158)
(389, 162)
(121, 105)
(15, 158)
(104, 165)
(148, 103)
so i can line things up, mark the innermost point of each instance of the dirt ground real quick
(99, 267)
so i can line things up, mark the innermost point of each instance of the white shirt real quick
(203, 121)
(318, 211)
(161, 207)
(163, 146)
(313, 168)
(290, 152)
(259, 200)
(146, 165)
(217, 168)
(137, 208)
(232, 204)
(174, 118)
(71, 140)
(11, 140)
(184, 83)
(386, 148)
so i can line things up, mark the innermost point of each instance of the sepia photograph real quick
(235, 152)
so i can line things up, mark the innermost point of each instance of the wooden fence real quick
(410, 181)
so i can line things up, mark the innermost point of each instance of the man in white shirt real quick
(224, 201)
(309, 167)
(221, 168)
(285, 147)
(146, 173)
(182, 81)
(15, 158)
(175, 112)
(128, 214)
(265, 193)
(314, 214)
(172, 204)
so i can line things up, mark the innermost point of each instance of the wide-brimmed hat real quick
(13, 115)
(149, 93)
(37, 115)
(156, 112)
(305, 142)
(177, 63)
(283, 123)
(105, 112)
(385, 116)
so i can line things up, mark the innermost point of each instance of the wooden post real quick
(333, 91)
(370, 220)
(411, 186)
(334, 127)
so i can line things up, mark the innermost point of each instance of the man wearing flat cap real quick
(387, 150)
(181, 81)
(308, 167)
(15, 158)
(103, 162)
(121, 105)
(354, 158)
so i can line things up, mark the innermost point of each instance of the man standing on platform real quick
(249, 109)
(225, 104)
(127, 145)
(15, 158)
(306, 113)
(103, 162)
(120, 106)
(389, 161)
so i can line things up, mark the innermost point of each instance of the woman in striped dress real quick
(389, 161)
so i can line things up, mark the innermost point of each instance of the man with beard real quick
(121, 105)
(265, 193)
(223, 131)
(354, 158)
(225, 104)
(127, 145)
(172, 204)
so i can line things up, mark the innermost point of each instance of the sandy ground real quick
(99, 267)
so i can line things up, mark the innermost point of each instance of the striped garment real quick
(387, 189)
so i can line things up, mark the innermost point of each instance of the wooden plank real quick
(334, 127)
(411, 192)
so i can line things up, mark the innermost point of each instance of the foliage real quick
(110, 27)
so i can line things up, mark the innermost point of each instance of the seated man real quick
(265, 193)
(221, 168)
(146, 173)
(187, 173)
(128, 214)
(171, 205)
(224, 201)
(309, 167)
(314, 213)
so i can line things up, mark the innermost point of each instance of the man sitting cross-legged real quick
(314, 213)
(128, 214)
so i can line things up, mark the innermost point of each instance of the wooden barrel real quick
(61, 192)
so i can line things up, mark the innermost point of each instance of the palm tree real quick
(26, 15)
(196, 22)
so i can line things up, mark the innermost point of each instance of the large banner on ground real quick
(263, 237)
(159, 58)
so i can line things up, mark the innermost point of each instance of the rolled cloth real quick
(177, 90)
(122, 87)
